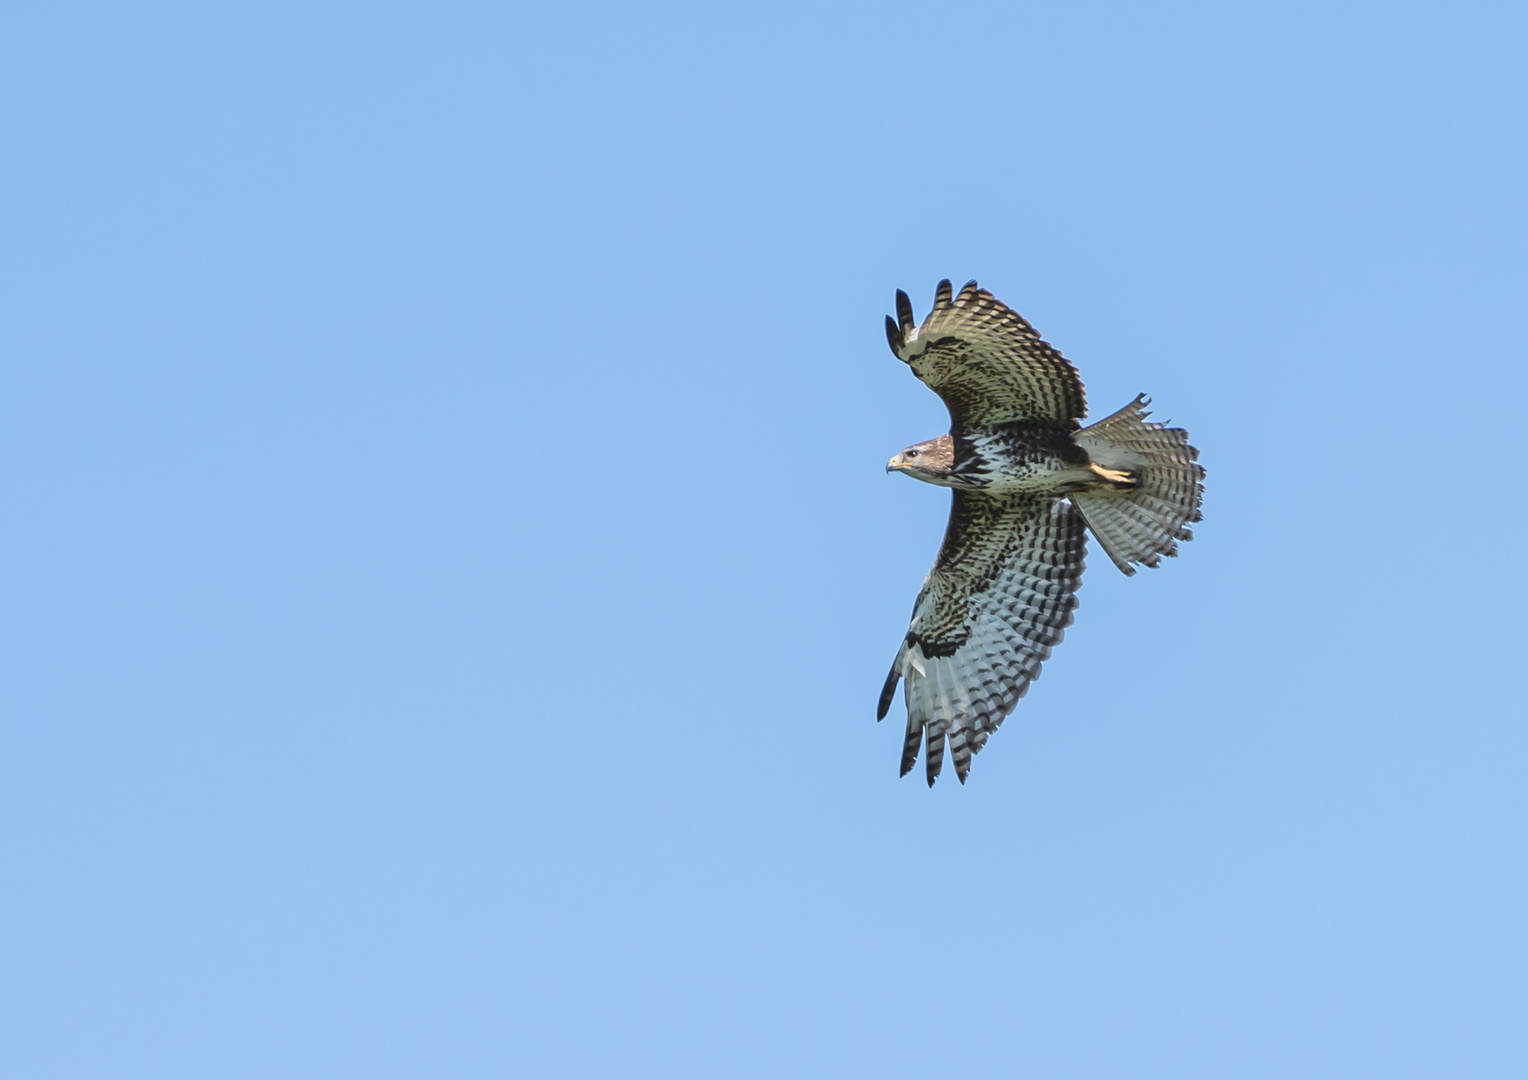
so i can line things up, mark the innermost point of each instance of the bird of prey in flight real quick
(1027, 479)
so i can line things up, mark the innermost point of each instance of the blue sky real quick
(450, 569)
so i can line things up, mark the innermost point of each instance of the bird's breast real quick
(1019, 458)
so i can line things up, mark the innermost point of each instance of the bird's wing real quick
(996, 602)
(986, 362)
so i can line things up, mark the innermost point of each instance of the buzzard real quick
(1027, 481)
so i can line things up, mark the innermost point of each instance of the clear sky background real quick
(449, 568)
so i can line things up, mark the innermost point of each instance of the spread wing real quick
(1000, 594)
(986, 362)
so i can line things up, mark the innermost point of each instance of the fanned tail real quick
(1142, 520)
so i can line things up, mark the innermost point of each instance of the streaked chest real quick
(1019, 457)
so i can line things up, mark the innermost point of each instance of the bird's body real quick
(1014, 458)
(1028, 480)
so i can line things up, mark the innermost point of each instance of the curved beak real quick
(894, 464)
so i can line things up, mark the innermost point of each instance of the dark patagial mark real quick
(947, 645)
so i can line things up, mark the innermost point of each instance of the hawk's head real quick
(929, 461)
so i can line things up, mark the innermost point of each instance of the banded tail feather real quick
(1143, 520)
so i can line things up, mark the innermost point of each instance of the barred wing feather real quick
(987, 363)
(1000, 595)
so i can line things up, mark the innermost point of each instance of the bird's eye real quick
(912, 453)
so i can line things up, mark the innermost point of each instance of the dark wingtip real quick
(967, 291)
(942, 293)
(905, 311)
(910, 744)
(932, 778)
(888, 692)
(893, 334)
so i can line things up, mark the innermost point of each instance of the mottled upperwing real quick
(998, 599)
(986, 362)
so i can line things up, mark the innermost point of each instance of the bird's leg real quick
(1115, 477)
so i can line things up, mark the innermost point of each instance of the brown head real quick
(929, 461)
